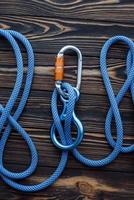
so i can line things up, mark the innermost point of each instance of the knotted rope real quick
(112, 113)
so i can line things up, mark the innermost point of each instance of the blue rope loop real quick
(5, 115)
(128, 85)
(67, 116)
(5, 111)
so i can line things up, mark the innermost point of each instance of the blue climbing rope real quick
(11, 177)
(128, 84)
(64, 119)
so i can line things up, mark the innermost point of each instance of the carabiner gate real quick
(59, 69)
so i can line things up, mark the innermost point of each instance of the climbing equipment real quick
(69, 96)
(62, 120)
(113, 111)
(59, 68)
(11, 177)
(69, 101)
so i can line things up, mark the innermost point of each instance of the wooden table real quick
(49, 25)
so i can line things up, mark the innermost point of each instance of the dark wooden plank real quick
(107, 10)
(48, 35)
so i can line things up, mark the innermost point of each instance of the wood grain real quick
(78, 186)
(49, 25)
(48, 35)
(106, 10)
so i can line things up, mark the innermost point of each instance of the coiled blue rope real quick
(8, 176)
(5, 111)
(113, 111)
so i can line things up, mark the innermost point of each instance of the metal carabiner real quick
(59, 69)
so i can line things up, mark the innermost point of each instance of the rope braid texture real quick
(62, 122)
